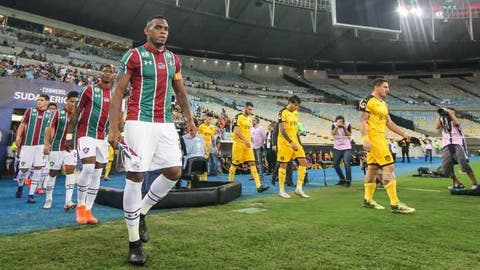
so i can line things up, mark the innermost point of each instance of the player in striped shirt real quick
(153, 72)
(90, 118)
(52, 107)
(55, 147)
(30, 141)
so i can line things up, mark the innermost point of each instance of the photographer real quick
(342, 150)
(453, 147)
(405, 145)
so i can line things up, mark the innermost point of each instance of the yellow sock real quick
(391, 189)
(282, 175)
(369, 191)
(256, 177)
(231, 173)
(108, 167)
(301, 172)
(203, 177)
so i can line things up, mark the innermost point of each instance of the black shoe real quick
(262, 188)
(348, 183)
(19, 192)
(143, 229)
(290, 184)
(31, 199)
(136, 256)
(340, 183)
(274, 179)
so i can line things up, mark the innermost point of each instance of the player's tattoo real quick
(387, 177)
(364, 116)
(284, 133)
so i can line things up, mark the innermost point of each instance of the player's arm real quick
(49, 132)
(284, 133)
(115, 109)
(85, 97)
(21, 127)
(73, 121)
(393, 127)
(364, 115)
(20, 130)
(46, 140)
(236, 131)
(274, 137)
(182, 100)
(181, 94)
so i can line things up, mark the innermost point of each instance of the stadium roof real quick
(199, 27)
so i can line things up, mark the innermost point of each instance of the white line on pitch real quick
(422, 189)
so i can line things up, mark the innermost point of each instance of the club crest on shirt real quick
(363, 104)
(85, 150)
(145, 54)
(387, 158)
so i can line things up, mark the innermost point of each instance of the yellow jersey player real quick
(207, 131)
(374, 118)
(242, 151)
(289, 148)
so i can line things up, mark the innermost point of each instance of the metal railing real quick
(323, 5)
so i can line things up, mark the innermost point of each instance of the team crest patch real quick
(388, 158)
(85, 150)
(363, 104)
(145, 54)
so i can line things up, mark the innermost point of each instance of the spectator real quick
(405, 145)
(259, 136)
(428, 148)
(271, 155)
(393, 149)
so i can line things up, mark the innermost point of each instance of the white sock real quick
(132, 199)
(21, 178)
(159, 188)
(69, 184)
(83, 182)
(93, 188)
(49, 186)
(43, 176)
(35, 181)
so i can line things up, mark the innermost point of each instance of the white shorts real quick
(31, 156)
(90, 147)
(156, 144)
(59, 158)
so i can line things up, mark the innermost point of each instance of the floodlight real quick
(402, 11)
